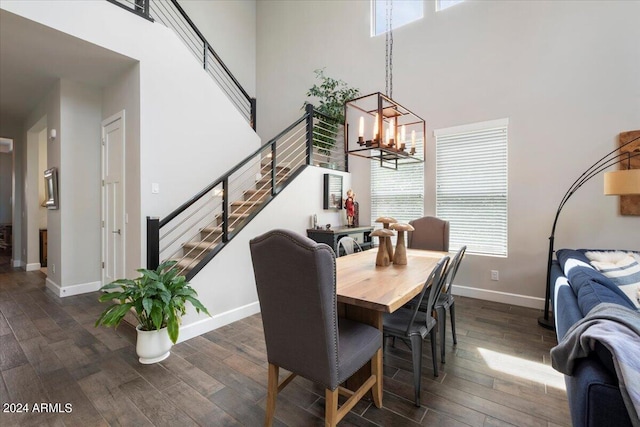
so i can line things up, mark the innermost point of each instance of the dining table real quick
(366, 291)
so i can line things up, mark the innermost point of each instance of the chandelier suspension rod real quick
(389, 50)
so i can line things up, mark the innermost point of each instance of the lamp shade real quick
(622, 182)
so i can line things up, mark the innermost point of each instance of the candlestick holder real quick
(388, 118)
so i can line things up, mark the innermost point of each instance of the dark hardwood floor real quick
(497, 375)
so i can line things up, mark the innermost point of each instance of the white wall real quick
(12, 128)
(79, 184)
(42, 166)
(6, 177)
(230, 27)
(226, 286)
(124, 95)
(189, 132)
(31, 208)
(564, 73)
(44, 117)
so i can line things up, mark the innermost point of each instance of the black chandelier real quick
(379, 128)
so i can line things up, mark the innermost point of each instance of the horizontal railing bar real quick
(213, 252)
(186, 17)
(208, 188)
(180, 235)
(317, 113)
(230, 92)
(131, 9)
(174, 22)
(171, 230)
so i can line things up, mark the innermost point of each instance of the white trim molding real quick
(497, 296)
(210, 323)
(67, 291)
(33, 266)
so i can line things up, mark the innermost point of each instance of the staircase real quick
(202, 226)
(241, 210)
(196, 231)
(170, 14)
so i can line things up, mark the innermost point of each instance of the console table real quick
(362, 235)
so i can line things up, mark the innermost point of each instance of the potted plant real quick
(158, 299)
(331, 95)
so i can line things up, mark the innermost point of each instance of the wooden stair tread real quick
(240, 210)
(202, 244)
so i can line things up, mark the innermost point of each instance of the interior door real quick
(113, 207)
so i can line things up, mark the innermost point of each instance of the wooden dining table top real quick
(361, 283)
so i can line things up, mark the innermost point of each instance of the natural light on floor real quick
(532, 371)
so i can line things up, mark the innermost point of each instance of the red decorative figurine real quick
(349, 205)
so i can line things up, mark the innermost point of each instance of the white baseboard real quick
(33, 266)
(497, 296)
(67, 291)
(17, 263)
(52, 286)
(210, 323)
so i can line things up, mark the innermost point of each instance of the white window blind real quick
(471, 186)
(398, 193)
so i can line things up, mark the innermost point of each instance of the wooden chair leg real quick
(377, 370)
(272, 394)
(331, 408)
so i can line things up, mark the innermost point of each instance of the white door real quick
(113, 209)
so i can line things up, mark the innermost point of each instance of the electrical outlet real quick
(495, 275)
(53, 268)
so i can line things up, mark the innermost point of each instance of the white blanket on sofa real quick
(618, 329)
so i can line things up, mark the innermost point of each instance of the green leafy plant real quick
(158, 298)
(330, 94)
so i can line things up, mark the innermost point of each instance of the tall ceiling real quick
(33, 57)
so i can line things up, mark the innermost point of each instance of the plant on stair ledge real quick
(158, 298)
(331, 95)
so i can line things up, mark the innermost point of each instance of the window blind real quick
(398, 193)
(471, 186)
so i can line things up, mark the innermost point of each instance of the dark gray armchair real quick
(296, 282)
(430, 233)
(414, 324)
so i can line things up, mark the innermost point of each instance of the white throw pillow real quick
(623, 268)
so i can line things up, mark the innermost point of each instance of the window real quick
(398, 193)
(403, 12)
(443, 4)
(471, 185)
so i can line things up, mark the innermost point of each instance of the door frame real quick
(105, 123)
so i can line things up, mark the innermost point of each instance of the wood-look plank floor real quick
(497, 375)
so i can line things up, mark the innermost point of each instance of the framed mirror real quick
(332, 192)
(51, 188)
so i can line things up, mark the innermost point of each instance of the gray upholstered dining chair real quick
(446, 301)
(296, 282)
(430, 233)
(414, 324)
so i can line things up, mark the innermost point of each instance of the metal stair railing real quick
(171, 14)
(200, 228)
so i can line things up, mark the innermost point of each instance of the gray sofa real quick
(593, 392)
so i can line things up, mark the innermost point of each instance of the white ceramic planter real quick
(153, 346)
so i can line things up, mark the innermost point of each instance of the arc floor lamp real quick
(621, 182)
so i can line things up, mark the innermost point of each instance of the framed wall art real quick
(51, 188)
(332, 192)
